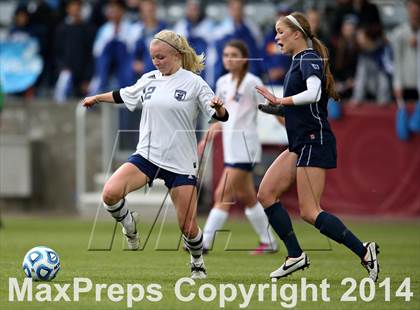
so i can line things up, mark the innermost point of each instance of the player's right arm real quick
(92, 100)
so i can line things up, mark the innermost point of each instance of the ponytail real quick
(190, 60)
(329, 79)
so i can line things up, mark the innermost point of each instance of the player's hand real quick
(89, 102)
(216, 103)
(267, 95)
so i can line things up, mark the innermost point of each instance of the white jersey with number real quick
(240, 137)
(171, 105)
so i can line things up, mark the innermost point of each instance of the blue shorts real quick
(242, 166)
(153, 172)
(315, 155)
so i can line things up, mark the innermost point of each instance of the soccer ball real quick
(41, 264)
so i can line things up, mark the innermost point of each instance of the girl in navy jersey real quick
(241, 148)
(312, 148)
(171, 98)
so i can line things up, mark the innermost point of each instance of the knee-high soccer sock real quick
(280, 221)
(122, 214)
(215, 221)
(194, 246)
(333, 228)
(260, 223)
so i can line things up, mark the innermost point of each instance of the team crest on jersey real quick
(315, 66)
(180, 94)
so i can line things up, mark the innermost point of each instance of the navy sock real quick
(333, 228)
(280, 221)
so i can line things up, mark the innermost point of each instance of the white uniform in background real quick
(240, 138)
(241, 145)
(169, 115)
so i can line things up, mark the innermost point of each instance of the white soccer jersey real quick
(240, 137)
(170, 108)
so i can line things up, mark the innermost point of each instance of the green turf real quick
(400, 258)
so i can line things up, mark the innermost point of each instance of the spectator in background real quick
(21, 22)
(44, 19)
(336, 15)
(314, 19)
(98, 14)
(74, 64)
(236, 26)
(369, 18)
(374, 68)
(143, 32)
(113, 49)
(276, 64)
(21, 46)
(132, 10)
(344, 58)
(196, 27)
(405, 48)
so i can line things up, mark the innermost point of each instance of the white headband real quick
(297, 24)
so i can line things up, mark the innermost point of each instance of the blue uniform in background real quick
(309, 133)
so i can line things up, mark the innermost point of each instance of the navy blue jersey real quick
(306, 124)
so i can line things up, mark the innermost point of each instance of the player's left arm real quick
(312, 72)
(221, 113)
(311, 68)
(212, 106)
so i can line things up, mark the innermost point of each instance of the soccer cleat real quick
(370, 261)
(291, 265)
(271, 109)
(265, 248)
(133, 240)
(198, 270)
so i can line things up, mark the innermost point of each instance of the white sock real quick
(122, 214)
(259, 222)
(197, 260)
(194, 245)
(215, 221)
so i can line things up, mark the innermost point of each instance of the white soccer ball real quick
(41, 264)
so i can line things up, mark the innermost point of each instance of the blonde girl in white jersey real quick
(241, 148)
(171, 98)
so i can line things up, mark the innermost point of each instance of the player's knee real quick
(245, 198)
(308, 216)
(218, 194)
(265, 197)
(110, 195)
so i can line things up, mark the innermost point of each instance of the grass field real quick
(399, 258)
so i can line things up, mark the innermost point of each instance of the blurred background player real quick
(241, 148)
(312, 149)
(172, 96)
(237, 26)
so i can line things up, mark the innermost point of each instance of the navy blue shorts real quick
(242, 166)
(153, 172)
(315, 155)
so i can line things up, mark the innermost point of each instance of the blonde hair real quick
(318, 46)
(190, 60)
